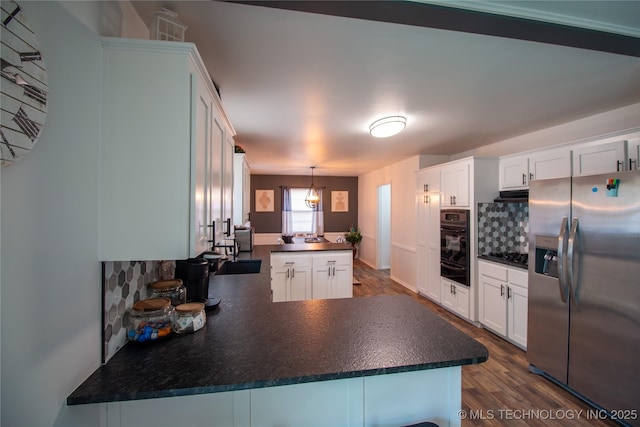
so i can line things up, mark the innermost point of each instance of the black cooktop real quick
(515, 259)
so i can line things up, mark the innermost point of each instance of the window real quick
(301, 214)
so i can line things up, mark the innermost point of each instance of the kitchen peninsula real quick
(349, 361)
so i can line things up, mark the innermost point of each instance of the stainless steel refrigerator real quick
(584, 287)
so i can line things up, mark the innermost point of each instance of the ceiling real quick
(301, 89)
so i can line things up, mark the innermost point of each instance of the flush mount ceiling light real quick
(312, 200)
(387, 126)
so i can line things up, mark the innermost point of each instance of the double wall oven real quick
(454, 245)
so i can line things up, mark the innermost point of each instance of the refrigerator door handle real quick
(561, 277)
(570, 254)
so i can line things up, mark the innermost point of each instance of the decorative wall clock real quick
(24, 85)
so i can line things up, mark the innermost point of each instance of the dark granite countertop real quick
(503, 261)
(250, 342)
(311, 247)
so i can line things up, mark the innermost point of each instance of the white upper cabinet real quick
(514, 172)
(160, 151)
(634, 154)
(517, 171)
(202, 172)
(454, 181)
(601, 158)
(428, 180)
(550, 164)
(241, 189)
(227, 182)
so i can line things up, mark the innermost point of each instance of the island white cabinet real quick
(297, 276)
(455, 184)
(504, 301)
(290, 276)
(332, 275)
(160, 162)
(455, 297)
(600, 158)
(428, 232)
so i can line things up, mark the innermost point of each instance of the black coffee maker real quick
(194, 273)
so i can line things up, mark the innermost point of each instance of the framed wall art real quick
(339, 201)
(264, 201)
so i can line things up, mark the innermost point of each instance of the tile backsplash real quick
(123, 283)
(503, 227)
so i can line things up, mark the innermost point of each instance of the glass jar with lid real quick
(172, 289)
(190, 317)
(150, 320)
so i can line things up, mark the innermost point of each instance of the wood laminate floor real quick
(500, 391)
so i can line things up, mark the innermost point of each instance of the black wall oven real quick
(454, 245)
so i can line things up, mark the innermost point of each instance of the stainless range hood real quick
(513, 196)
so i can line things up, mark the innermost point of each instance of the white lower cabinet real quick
(504, 301)
(493, 309)
(332, 275)
(454, 297)
(396, 399)
(306, 275)
(290, 277)
(517, 307)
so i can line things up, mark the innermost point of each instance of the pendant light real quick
(312, 200)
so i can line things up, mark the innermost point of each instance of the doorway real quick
(384, 226)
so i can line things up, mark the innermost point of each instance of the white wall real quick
(401, 176)
(592, 127)
(50, 274)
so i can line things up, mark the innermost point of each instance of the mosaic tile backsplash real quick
(503, 227)
(123, 283)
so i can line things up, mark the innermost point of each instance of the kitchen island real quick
(352, 361)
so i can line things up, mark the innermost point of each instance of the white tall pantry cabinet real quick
(428, 236)
(459, 184)
(162, 152)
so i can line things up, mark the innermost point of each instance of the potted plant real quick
(354, 237)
